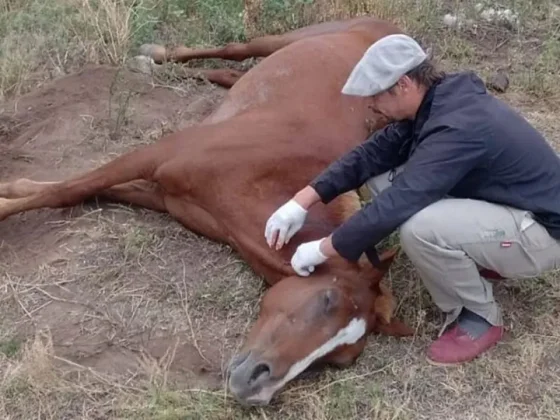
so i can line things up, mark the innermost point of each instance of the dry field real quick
(113, 312)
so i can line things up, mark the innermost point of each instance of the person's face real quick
(398, 103)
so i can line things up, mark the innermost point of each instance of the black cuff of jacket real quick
(325, 190)
(344, 247)
(353, 254)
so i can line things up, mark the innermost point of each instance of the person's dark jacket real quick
(463, 143)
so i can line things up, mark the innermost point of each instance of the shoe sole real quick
(450, 364)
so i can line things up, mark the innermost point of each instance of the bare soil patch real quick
(112, 286)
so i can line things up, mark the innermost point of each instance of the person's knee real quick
(420, 228)
(378, 183)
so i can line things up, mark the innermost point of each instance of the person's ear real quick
(404, 84)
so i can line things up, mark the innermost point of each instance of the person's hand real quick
(289, 218)
(284, 223)
(307, 256)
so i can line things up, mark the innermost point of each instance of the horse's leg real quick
(22, 188)
(223, 77)
(257, 47)
(139, 192)
(138, 164)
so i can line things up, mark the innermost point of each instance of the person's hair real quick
(426, 73)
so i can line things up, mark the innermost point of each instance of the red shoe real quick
(455, 346)
(490, 274)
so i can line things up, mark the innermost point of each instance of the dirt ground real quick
(122, 313)
(111, 285)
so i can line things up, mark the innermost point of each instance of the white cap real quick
(383, 64)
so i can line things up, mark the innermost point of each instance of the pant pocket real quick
(541, 249)
(514, 260)
(534, 236)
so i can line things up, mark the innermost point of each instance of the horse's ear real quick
(384, 311)
(384, 305)
(395, 328)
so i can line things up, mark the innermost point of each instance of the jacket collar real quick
(421, 117)
(424, 109)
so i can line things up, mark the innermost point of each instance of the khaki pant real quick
(451, 239)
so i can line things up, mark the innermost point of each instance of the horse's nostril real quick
(261, 371)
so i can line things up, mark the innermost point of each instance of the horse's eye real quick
(330, 300)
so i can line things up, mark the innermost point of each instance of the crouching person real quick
(469, 184)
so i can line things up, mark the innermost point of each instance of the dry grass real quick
(46, 39)
(123, 317)
(130, 316)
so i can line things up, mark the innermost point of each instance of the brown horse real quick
(282, 123)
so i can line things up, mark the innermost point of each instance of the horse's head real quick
(323, 318)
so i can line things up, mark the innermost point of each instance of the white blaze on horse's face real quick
(348, 335)
(302, 321)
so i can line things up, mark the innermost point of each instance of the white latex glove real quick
(285, 221)
(306, 257)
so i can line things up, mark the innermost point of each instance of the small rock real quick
(505, 17)
(450, 20)
(458, 21)
(488, 14)
(498, 82)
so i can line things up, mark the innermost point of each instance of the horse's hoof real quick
(154, 51)
(142, 64)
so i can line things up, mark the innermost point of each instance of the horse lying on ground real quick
(282, 122)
